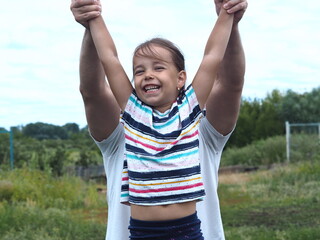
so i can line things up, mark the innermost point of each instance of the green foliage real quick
(244, 131)
(262, 152)
(258, 119)
(262, 118)
(42, 131)
(304, 146)
(273, 150)
(301, 108)
(51, 155)
(6, 190)
(71, 128)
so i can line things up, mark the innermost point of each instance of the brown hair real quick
(145, 49)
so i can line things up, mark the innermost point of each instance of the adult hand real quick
(85, 10)
(238, 7)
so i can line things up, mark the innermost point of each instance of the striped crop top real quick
(161, 163)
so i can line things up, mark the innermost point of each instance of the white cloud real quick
(281, 39)
(41, 42)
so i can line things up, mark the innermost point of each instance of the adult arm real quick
(213, 56)
(101, 108)
(223, 104)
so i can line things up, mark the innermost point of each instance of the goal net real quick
(303, 141)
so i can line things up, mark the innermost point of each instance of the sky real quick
(40, 46)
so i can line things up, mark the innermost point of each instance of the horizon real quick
(85, 126)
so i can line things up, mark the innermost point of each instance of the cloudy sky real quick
(40, 44)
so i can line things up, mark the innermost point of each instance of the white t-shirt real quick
(211, 144)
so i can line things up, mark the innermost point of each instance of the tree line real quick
(49, 147)
(53, 148)
(263, 118)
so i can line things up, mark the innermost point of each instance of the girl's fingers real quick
(90, 15)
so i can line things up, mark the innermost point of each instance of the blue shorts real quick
(187, 228)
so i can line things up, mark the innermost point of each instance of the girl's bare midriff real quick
(163, 212)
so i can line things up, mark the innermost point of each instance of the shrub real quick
(304, 147)
(262, 152)
(6, 190)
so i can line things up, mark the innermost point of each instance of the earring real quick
(178, 89)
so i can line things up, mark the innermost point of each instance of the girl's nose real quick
(148, 75)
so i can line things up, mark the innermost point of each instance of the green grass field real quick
(37, 206)
(281, 203)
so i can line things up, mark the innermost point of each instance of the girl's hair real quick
(146, 49)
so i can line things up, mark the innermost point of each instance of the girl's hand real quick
(85, 10)
(238, 7)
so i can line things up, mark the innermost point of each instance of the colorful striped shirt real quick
(162, 152)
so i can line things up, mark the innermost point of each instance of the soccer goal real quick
(302, 141)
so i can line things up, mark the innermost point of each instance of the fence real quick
(305, 128)
(11, 146)
(86, 172)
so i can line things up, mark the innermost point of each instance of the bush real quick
(6, 190)
(304, 147)
(263, 152)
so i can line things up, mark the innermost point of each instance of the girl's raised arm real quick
(213, 56)
(117, 78)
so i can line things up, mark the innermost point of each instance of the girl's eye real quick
(138, 72)
(159, 68)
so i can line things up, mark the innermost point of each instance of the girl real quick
(161, 178)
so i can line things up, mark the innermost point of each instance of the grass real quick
(279, 204)
(37, 206)
(22, 222)
(282, 203)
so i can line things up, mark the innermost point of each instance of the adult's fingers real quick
(81, 3)
(85, 10)
(88, 9)
(233, 6)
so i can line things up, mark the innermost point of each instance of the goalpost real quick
(11, 146)
(309, 134)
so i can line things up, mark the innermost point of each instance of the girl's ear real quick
(182, 78)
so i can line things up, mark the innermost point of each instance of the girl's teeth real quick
(151, 88)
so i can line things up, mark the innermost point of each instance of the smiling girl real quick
(161, 179)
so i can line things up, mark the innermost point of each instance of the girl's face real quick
(157, 80)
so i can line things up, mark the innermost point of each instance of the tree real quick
(301, 108)
(269, 122)
(42, 131)
(246, 124)
(258, 119)
(71, 128)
